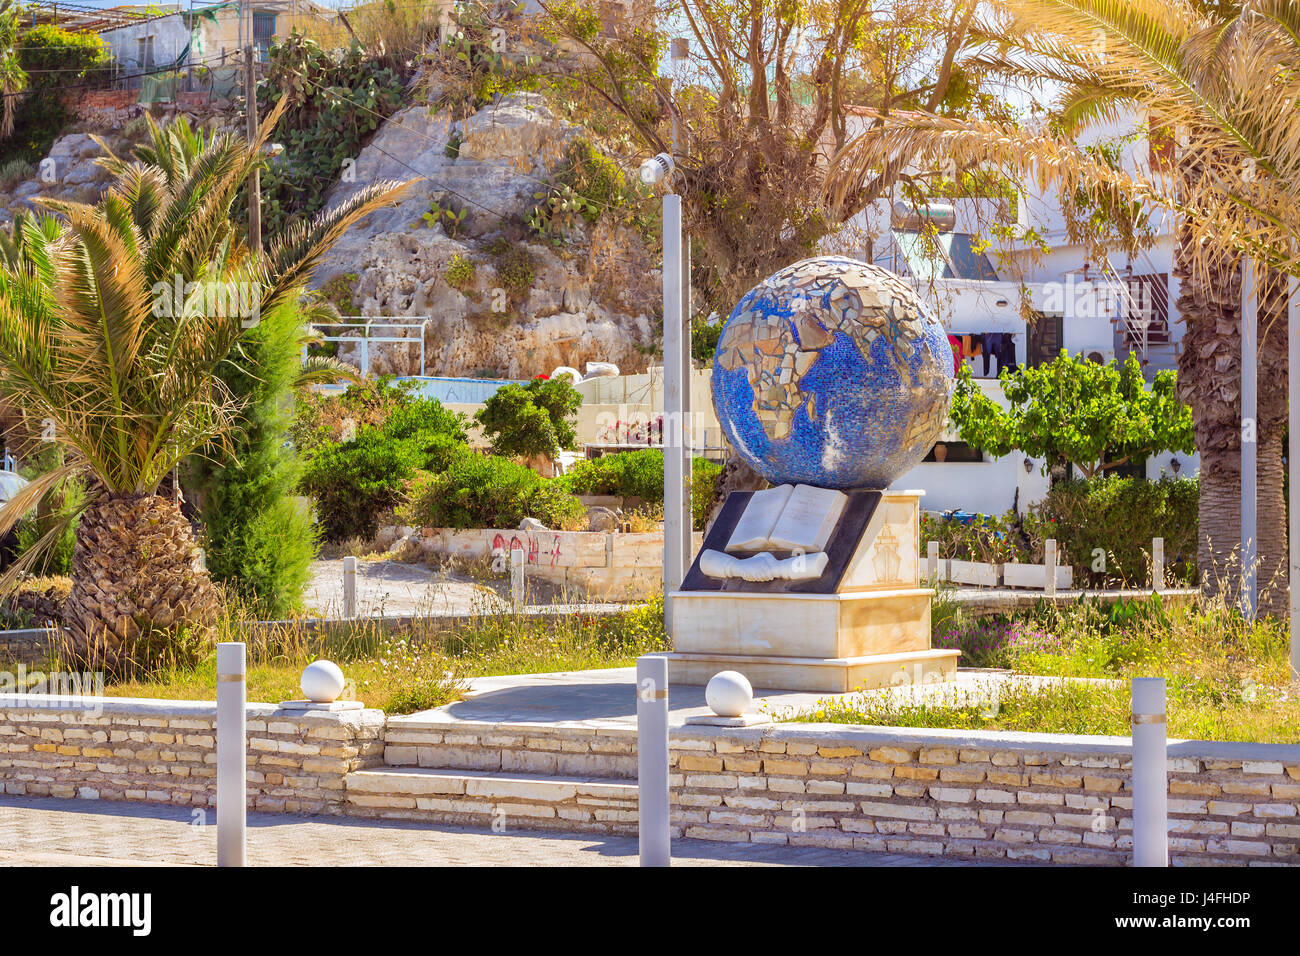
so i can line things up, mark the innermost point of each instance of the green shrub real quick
(260, 537)
(587, 185)
(640, 474)
(14, 172)
(515, 268)
(480, 491)
(532, 419)
(339, 290)
(54, 60)
(994, 539)
(460, 273)
(704, 482)
(1117, 517)
(58, 505)
(631, 474)
(356, 482)
(323, 418)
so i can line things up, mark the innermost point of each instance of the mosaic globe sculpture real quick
(832, 373)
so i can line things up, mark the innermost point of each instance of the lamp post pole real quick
(1293, 463)
(1249, 437)
(674, 429)
(255, 179)
(677, 434)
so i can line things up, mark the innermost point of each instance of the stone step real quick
(823, 675)
(547, 750)
(495, 799)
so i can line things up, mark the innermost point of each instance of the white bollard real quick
(232, 760)
(1157, 564)
(1049, 559)
(932, 560)
(1150, 776)
(517, 580)
(652, 761)
(349, 587)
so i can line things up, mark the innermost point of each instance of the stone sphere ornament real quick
(832, 373)
(322, 682)
(729, 694)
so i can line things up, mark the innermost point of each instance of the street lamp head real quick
(657, 168)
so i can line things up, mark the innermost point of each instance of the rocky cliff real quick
(513, 307)
(593, 300)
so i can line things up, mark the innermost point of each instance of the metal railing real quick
(1137, 327)
(360, 332)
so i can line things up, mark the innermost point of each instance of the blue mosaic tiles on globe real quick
(832, 373)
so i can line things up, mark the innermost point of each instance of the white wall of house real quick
(129, 44)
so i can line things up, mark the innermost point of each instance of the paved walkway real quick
(394, 589)
(49, 832)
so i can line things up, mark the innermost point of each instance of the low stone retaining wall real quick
(1038, 797)
(995, 795)
(164, 751)
(1028, 797)
(616, 565)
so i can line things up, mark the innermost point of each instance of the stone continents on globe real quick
(831, 372)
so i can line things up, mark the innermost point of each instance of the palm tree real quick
(1228, 88)
(111, 334)
(13, 80)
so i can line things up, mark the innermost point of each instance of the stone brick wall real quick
(1001, 796)
(1035, 797)
(165, 751)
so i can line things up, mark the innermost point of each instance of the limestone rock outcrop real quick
(593, 300)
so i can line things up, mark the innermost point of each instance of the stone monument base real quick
(862, 622)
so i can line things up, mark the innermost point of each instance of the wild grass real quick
(1226, 678)
(405, 667)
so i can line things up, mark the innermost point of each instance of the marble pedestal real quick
(871, 630)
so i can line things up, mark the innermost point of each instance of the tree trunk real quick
(1209, 381)
(1272, 569)
(136, 587)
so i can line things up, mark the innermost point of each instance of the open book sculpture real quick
(791, 604)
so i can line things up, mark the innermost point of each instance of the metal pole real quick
(1293, 464)
(1249, 426)
(517, 580)
(255, 178)
(349, 587)
(232, 767)
(1150, 775)
(674, 479)
(1157, 564)
(688, 427)
(655, 840)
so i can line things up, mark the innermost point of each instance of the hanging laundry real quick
(956, 353)
(1007, 354)
(992, 348)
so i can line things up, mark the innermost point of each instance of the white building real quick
(1103, 310)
